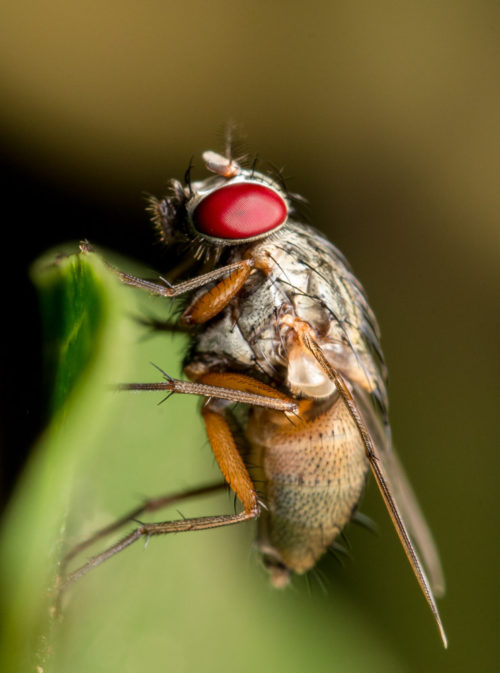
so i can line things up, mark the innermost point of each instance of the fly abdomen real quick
(313, 471)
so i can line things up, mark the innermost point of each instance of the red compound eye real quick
(240, 211)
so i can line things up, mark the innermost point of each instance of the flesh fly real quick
(279, 324)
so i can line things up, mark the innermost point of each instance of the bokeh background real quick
(385, 117)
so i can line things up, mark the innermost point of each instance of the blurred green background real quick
(385, 116)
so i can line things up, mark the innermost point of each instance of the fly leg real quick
(229, 459)
(146, 530)
(223, 386)
(231, 279)
(150, 505)
(236, 475)
(157, 325)
(239, 388)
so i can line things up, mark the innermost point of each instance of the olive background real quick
(385, 117)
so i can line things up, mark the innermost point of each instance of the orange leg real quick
(219, 433)
(216, 299)
(243, 383)
(229, 458)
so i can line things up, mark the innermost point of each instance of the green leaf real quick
(81, 314)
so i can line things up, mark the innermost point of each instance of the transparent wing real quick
(382, 468)
(371, 398)
(403, 493)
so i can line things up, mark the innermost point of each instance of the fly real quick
(278, 323)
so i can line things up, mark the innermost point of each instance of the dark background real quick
(384, 115)
(41, 213)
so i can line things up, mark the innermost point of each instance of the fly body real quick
(313, 474)
(312, 468)
(279, 323)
